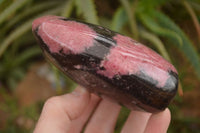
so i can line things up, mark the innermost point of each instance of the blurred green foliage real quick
(154, 22)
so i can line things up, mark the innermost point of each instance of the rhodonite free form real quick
(107, 63)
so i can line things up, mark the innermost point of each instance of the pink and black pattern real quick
(108, 63)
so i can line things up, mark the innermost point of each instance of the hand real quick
(69, 114)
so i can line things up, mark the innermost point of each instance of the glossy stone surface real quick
(108, 63)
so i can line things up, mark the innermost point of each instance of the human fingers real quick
(104, 118)
(136, 122)
(59, 111)
(78, 124)
(159, 122)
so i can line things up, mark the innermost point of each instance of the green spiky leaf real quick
(28, 12)
(156, 42)
(67, 8)
(187, 48)
(87, 8)
(119, 20)
(26, 55)
(18, 32)
(153, 25)
(11, 9)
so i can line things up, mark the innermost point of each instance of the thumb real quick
(59, 111)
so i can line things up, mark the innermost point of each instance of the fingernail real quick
(79, 91)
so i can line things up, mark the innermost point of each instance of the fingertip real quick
(167, 115)
(76, 102)
(136, 122)
(159, 122)
(104, 118)
(79, 123)
(80, 91)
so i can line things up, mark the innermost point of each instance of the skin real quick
(70, 113)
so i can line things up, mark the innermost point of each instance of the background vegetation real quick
(167, 26)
